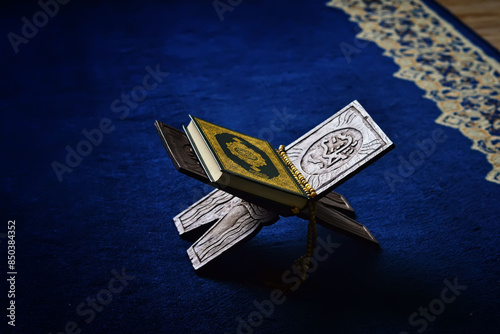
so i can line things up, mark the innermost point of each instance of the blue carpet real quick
(96, 248)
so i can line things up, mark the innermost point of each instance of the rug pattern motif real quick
(456, 74)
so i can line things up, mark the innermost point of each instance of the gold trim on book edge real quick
(457, 75)
(308, 189)
(283, 181)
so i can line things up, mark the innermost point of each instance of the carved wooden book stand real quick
(327, 155)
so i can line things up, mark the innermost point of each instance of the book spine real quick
(207, 142)
(198, 155)
(308, 189)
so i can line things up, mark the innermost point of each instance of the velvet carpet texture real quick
(93, 192)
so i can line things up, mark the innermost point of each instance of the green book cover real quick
(248, 157)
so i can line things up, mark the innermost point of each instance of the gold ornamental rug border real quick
(474, 79)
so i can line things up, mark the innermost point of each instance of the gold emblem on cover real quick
(254, 159)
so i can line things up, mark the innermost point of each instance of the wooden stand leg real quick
(328, 216)
(237, 220)
(242, 221)
(217, 203)
(205, 211)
